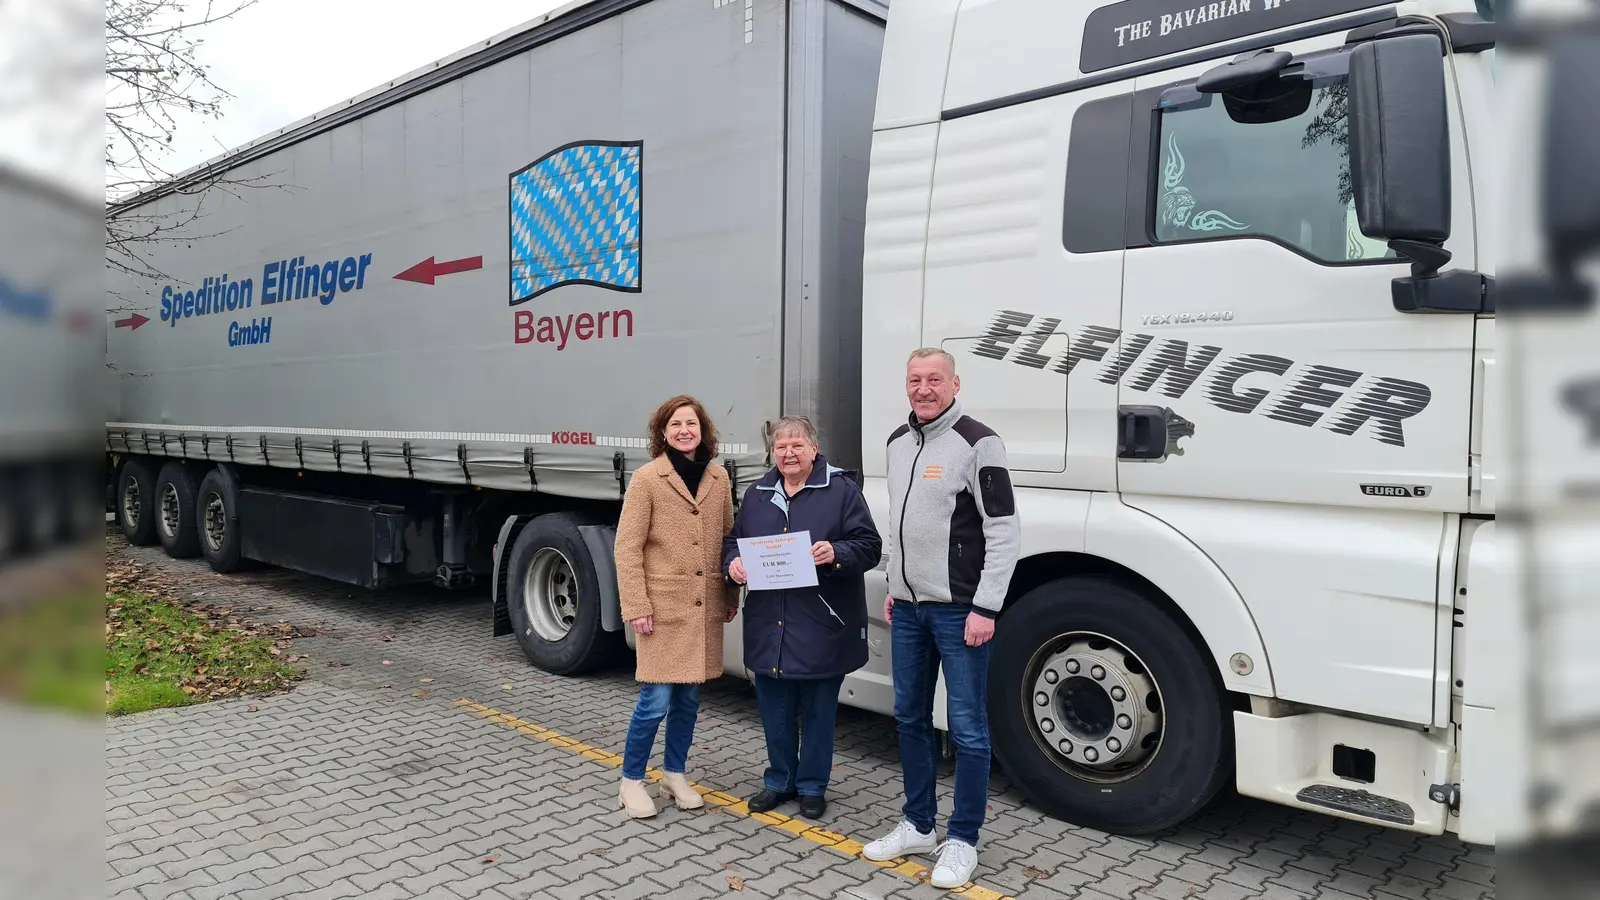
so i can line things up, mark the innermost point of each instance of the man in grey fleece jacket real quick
(953, 541)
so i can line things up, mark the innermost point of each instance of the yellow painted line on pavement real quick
(841, 846)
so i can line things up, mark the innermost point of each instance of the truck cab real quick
(1217, 275)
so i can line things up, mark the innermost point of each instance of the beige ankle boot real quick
(677, 787)
(635, 799)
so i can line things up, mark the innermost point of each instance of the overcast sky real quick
(286, 59)
(282, 60)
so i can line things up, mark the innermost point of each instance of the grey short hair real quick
(792, 425)
(925, 352)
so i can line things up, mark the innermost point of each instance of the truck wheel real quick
(216, 522)
(1104, 710)
(136, 501)
(175, 516)
(553, 598)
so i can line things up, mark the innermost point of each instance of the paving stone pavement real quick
(368, 781)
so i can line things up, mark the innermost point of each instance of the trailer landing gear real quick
(452, 576)
(453, 572)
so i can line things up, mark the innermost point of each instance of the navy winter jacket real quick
(812, 632)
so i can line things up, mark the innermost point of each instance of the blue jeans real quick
(924, 636)
(797, 715)
(679, 704)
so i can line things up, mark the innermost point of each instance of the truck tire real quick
(175, 511)
(216, 522)
(553, 598)
(136, 501)
(1104, 710)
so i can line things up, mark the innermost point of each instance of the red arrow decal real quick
(133, 321)
(426, 271)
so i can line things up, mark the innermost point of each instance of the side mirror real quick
(1569, 193)
(1400, 168)
(1571, 189)
(1400, 147)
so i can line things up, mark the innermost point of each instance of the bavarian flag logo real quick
(575, 219)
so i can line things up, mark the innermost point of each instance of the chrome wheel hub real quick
(130, 503)
(216, 523)
(550, 595)
(171, 512)
(1095, 708)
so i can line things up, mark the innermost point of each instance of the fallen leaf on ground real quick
(426, 680)
(253, 709)
(421, 693)
(491, 859)
(735, 882)
(506, 687)
(388, 662)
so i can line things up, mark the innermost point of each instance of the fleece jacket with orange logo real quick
(953, 529)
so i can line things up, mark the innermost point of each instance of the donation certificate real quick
(778, 561)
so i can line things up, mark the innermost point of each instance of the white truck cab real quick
(1217, 274)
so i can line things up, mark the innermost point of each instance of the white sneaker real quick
(957, 861)
(904, 840)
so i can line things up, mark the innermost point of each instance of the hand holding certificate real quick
(778, 561)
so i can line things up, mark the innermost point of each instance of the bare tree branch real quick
(154, 77)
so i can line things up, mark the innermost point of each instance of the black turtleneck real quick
(688, 469)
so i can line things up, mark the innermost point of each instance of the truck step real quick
(1356, 769)
(1358, 803)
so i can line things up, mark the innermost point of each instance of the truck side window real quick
(1274, 167)
(1095, 206)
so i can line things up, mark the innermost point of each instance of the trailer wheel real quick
(175, 511)
(136, 506)
(553, 598)
(216, 522)
(1104, 710)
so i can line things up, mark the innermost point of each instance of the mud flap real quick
(601, 541)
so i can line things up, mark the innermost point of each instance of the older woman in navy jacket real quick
(801, 642)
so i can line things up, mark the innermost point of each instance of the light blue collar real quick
(781, 499)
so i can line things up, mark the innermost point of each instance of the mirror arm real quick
(1428, 291)
(1426, 259)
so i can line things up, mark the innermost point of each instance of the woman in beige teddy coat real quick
(669, 573)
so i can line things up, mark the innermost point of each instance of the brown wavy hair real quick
(663, 414)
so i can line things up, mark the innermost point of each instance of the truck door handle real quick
(1150, 432)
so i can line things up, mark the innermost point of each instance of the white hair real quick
(925, 352)
(799, 425)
